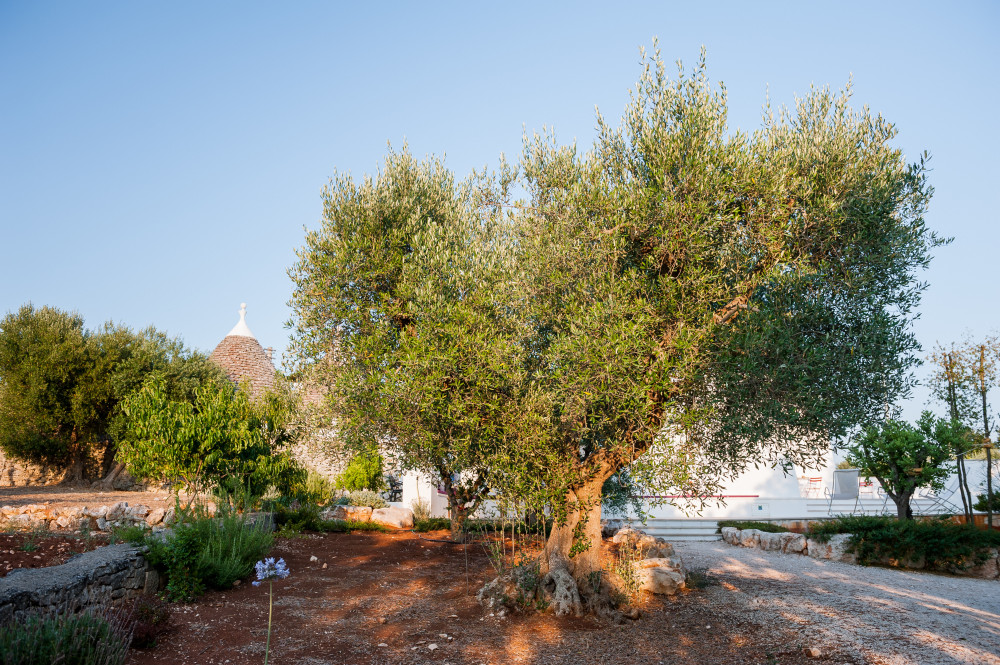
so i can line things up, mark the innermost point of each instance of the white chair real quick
(845, 487)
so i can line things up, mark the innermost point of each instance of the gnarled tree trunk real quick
(571, 561)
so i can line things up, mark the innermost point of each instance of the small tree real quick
(904, 458)
(222, 437)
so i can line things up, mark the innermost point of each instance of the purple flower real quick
(269, 569)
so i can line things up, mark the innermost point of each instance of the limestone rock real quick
(662, 575)
(835, 549)
(117, 511)
(353, 513)
(989, 570)
(770, 542)
(792, 543)
(610, 527)
(731, 535)
(401, 518)
(137, 513)
(750, 538)
(646, 546)
(155, 516)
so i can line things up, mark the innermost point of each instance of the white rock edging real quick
(835, 549)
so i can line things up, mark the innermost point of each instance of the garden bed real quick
(388, 597)
(35, 550)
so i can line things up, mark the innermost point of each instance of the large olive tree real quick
(706, 299)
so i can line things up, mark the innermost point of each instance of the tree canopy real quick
(61, 385)
(683, 300)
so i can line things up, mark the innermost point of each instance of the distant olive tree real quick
(61, 385)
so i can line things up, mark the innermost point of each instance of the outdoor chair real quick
(845, 487)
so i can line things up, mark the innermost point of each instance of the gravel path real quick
(874, 615)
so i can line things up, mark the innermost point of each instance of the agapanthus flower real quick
(269, 569)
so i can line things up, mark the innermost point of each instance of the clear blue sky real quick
(158, 161)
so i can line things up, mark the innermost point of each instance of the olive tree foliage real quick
(406, 284)
(905, 458)
(705, 299)
(61, 385)
(223, 438)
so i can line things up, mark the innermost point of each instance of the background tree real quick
(704, 299)
(61, 385)
(961, 379)
(905, 458)
(223, 438)
(407, 283)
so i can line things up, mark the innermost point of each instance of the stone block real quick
(731, 535)
(155, 516)
(354, 513)
(662, 575)
(750, 538)
(770, 542)
(834, 549)
(401, 518)
(792, 543)
(117, 511)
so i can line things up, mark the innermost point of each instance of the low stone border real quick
(92, 579)
(100, 518)
(835, 549)
(400, 518)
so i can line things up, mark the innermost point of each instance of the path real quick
(877, 615)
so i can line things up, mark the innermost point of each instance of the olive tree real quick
(704, 299)
(61, 385)
(904, 458)
(402, 299)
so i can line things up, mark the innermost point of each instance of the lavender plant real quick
(269, 570)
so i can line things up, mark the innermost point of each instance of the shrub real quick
(346, 526)
(67, 639)
(366, 498)
(209, 552)
(135, 535)
(421, 510)
(760, 526)
(939, 544)
(364, 472)
(980, 503)
(151, 618)
(431, 524)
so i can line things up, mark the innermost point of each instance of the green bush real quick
(980, 503)
(346, 526)
(209, 552)
(66, 639)
(151, 618)
(941, 545)
(432, 524)
(364, 472)
(760, 526)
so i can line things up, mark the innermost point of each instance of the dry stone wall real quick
(835, 549)
(74, 518)
(93, 579)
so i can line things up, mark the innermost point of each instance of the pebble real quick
(382, 644)
(313, 558)
(813, 652)
(432, 646)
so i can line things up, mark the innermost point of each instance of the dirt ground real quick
(63, 496)
(403, 598)
(32, 550)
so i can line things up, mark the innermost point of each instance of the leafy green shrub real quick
(135, 535)
(980, 503)
(484, 526)
(364, 472)
(939, 544)
(296, 517)
(366, 498)
(210, 552)
(66, 639)
(760, 526)
(346, 526)
(431, 524)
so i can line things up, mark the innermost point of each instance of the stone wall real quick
(835, 549)
(92, 579)
(98, 518)
(15, 473)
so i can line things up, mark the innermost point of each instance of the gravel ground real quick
(876, 615)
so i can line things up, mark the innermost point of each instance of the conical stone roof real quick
(243, 359)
